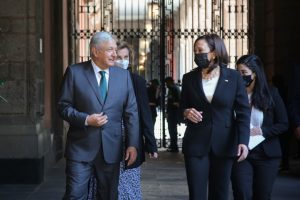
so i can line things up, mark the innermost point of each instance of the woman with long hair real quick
(254, 177)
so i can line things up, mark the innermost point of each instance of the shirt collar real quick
(97, 69)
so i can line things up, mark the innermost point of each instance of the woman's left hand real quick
(242, 152)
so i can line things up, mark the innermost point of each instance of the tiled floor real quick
(162, 179)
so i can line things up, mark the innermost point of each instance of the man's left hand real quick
(131, 155)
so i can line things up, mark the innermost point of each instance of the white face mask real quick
(122, 63)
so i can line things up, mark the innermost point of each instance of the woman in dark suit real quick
(254, 177)
(217, 113)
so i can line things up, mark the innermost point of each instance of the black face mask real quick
(247, 80)
(201, 59)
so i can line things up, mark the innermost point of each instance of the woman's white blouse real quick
(209, 87)
(257, 116)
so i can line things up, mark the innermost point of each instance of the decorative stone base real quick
(26, 152)
(21, 171)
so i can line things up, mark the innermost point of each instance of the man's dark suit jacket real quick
(226, 120)
(80, 97)
(275, 123)
(147, 140)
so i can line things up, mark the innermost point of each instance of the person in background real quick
(215, 106)
(130, 178)
(94, 98)
(154, 98)
(178, 83)
(173, 113)
(254, 177)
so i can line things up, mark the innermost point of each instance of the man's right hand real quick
(130, 156)
(97, 120)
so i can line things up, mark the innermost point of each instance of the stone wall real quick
(24, 141)
(18, 53)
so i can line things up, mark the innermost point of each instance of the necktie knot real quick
(102, 73)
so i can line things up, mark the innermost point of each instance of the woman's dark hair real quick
(261, 97)
(216, 44)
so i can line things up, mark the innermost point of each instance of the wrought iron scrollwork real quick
(139, 23)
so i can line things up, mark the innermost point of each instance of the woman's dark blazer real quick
(226, 119)
(275, 122)
(147, 140)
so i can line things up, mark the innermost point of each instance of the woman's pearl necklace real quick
(209, 76)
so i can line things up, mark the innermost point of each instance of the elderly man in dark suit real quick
(95, 97)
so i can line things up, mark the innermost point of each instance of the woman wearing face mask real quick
(215, 106)
(129, 183)
(254, 177)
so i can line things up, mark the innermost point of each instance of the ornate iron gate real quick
(161, 33)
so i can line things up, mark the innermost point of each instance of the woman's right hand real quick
(255, 131)
(193, 115)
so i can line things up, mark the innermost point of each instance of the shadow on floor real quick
(162, 179)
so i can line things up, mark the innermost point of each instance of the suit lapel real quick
(222, 82)
(111, 83)
(90, 75)
(197, 83)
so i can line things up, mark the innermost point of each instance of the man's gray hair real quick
(100, 37)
